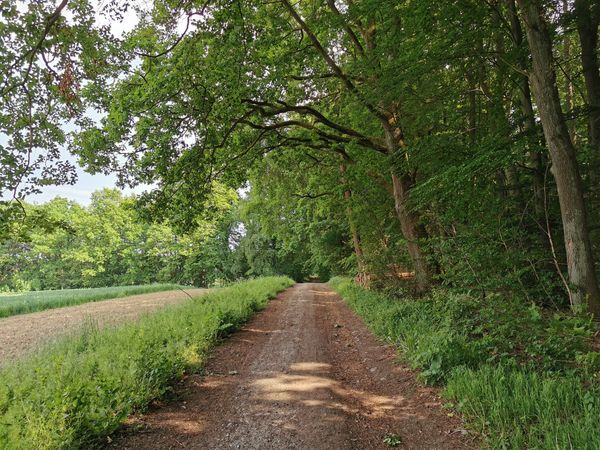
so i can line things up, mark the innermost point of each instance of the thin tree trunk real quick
(580, 262)
(569, 91)
(528, 120)
(536, 158)
(501, 184)
(356, 240)
(472, 116)
(514, 187)
(587, 27)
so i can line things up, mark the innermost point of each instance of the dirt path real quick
(24, 333)
(304, 374)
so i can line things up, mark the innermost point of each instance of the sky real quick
(81, 191)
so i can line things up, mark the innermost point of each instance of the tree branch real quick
(50, 21)
(312, 196)
(331, 63)
(282, 107)
(171, 47)
(347, 28)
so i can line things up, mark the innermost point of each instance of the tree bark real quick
(409, 221)
(528, 120)
(537, 159)
(411, 231)
(580, 262)
(569, 90)
(356, 240)
(587, 27)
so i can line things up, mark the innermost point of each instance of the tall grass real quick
(27, 302)
(77, 393)
(523, 409)
(522, 378)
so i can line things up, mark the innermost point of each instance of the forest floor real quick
(305, 373)
(22, 334)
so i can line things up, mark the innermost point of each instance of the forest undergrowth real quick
(522, 376)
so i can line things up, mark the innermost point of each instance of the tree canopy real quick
(450, 142)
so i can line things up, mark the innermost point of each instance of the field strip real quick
(24, 333)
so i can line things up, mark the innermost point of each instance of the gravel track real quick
(305, 373)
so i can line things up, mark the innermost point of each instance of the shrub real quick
(447, 330)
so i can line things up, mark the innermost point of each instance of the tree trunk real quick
(580, 262)
(361, 277)
(528, 120)
(409, 224)
(587, 27)
(409, 221)
(356, 241)
(472, 115)
(569, 90)
(537, 160)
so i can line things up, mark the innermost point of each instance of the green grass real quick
(523, 378)
(523, 409)
(28, 302)
(77, 393)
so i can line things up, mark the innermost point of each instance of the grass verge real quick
(77, 393)
(28, 302)
(522, 378)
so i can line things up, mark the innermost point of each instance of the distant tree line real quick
(108, 243)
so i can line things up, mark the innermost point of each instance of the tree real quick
(587, 17)
(48, 50)
(375, 137)
(582, 274)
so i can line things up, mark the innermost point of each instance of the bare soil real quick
(25, 333)
(303, 374)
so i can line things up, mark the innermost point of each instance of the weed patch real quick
(518, 408)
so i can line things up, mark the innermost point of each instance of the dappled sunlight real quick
(323, 293)
(282, 383)
(313, 388)
(178, 424)
(214, 383)
(257, 330)
(313, 402)
(307, 366)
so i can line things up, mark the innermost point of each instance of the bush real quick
(75, 394)
(448, 330)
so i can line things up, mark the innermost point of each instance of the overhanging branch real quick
(267, 109)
